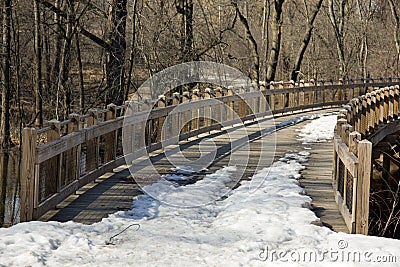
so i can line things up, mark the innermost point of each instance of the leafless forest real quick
(65, 56)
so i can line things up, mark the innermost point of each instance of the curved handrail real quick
(362, 124)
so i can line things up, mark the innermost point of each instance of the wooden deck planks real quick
(317, 181)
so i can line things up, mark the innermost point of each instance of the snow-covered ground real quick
(319, 130)
(269, 226)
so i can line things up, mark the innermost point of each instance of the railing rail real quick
(361, 125)
(62, 157)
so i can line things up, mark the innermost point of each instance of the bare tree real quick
(396, 32)
(38, 65)
(265, 34)
(5, 136)
(337, 19)
(66, 58)
(185, 8)
(133, 48)
(306, 39)
(80, 70)
(115, 65)
(255, 73)
(365, 11)
(276, 28)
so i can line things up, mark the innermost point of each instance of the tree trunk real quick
(81, 80)
(185, 8)
(305, 42)
(5, 137)
(115, 65)
(63, 76)
(396, 32)
(133, 48)
(4, 160)
(188, 49)
(365, 14)
(38, 66)
(55, 73)
(276, 28)
(47, 78)
(338, 27)
(265, 35)
(255, 73)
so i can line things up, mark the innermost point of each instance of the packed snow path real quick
(114, 192)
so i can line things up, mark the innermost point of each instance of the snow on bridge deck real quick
(114, 192)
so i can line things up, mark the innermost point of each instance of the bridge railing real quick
(66, 155)
(361, 125)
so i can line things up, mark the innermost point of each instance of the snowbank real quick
(319, 130)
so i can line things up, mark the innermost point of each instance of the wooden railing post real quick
(161, 103)
(54, 165)
(242, 106)
(111, 138)
(71, 157)
(92, 146)
(282, 96)
(363, 119)
(354, 137)
(386, 105)
(262, 102)
(370, 113)
(186, 115)
(391, 103)
(396, 102)
(134, 133)
(311, 94)
(195, 112)
(293, 96)
(320, 92)
(29, 174)
(207, 109)
(301, 93)
(272, 97)
(339, 124)
(76, 126)
(176, 100)
(231, 105)
(218, 108)
(363, 186)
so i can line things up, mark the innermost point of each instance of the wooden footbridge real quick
(76, 169)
